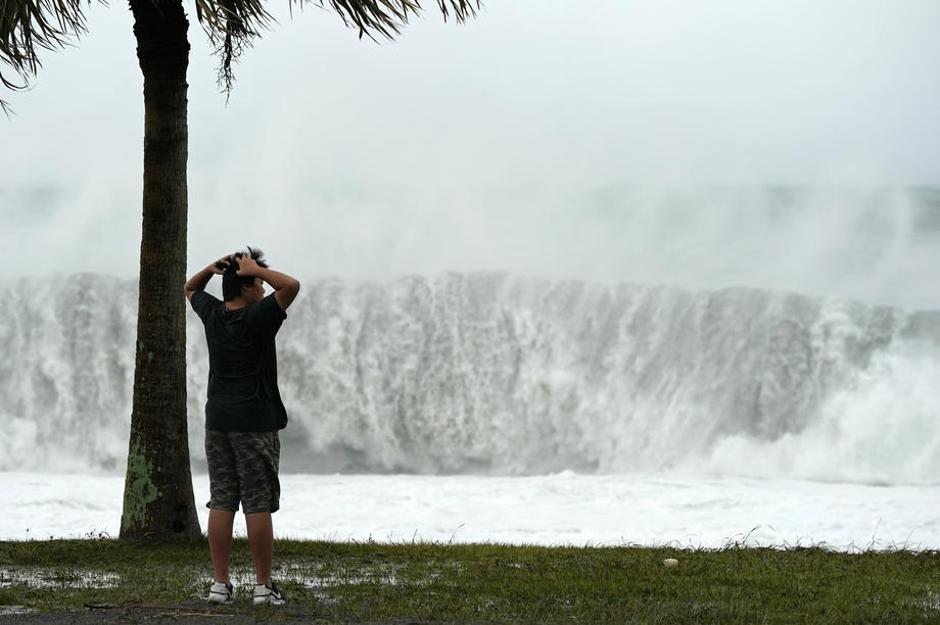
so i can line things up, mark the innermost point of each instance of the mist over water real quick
(874, 245)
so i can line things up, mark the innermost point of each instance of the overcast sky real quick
(334, 150)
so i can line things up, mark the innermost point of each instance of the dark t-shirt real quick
(243, 394)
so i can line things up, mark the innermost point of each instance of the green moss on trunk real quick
(139, 489)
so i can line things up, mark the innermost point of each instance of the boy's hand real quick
(218, 267)
(247, 266)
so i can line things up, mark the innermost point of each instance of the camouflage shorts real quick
(243, 466)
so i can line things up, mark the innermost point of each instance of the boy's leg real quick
(223, 500)
(261, 543)
(220, 542)
(259, 456)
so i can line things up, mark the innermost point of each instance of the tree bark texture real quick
(158, 491)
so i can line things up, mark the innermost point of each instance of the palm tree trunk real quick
(158, 492)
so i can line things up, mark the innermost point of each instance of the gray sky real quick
(479, 146)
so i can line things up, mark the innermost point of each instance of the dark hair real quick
(232, 283)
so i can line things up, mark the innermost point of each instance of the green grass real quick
(493, 583)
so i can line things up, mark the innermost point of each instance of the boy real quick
(244, 411)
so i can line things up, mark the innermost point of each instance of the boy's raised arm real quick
(285, 287)
(199, 281)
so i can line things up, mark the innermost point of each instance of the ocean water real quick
(498, 406)
(558, 509)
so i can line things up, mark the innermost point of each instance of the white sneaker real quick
(268, 594)
(221, 593)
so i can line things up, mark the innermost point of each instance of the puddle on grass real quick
(320, 580)
(387, 578)
(308, 576)
(57, 578)
(10, 610)
(320, 584)
(313, 575)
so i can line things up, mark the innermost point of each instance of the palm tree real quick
(158, 495)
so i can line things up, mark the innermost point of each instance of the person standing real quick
(244, 411)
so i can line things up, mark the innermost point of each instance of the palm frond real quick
(29, 26)
(232, 25)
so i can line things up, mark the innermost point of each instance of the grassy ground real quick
(490, 583)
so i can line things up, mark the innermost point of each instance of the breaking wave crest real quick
(493, 373)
